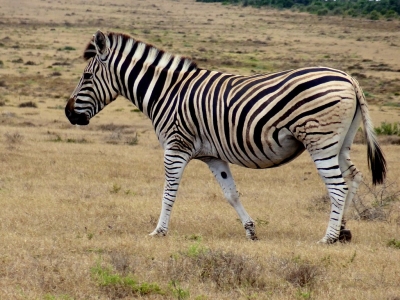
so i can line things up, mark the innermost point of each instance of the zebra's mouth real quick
(76, 119)
(79, 122)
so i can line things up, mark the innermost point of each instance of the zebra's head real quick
(95, 89)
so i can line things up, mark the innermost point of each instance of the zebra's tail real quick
(376, 159)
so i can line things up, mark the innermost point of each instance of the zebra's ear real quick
(100, 42)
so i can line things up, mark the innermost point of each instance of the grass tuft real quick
(14, 138)
(133, 140)
(394, 243)
(388, 129)
(302, 274)
(112, 127)
(28, 104)
(224, 270)
(66, 48)
(117, 286)
(178, 291)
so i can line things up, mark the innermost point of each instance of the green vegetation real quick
(394, 243)
(177, 291)
(115, 284)
(115, 189)
(66, 48)
(58, 297)
(388, 129)
(373, 10)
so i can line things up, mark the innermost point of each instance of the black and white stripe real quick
(258, 121)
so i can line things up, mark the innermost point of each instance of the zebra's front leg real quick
(174, 164)
(222, 173)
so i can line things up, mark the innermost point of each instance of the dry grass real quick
(78, 202)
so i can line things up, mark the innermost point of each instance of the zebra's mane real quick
(128, 42)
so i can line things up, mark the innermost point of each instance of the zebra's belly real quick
(274, 155)
(246, 153)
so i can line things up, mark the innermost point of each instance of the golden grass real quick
(77, 198)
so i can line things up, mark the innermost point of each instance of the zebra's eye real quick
(87, 75)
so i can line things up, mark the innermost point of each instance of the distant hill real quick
(355, 8)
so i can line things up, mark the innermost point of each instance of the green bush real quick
(394, 243)
(322, 12)
(388, 129)
(116, 284)
(368, 9)
(374, 15)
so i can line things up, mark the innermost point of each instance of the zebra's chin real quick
(78, 119)
(81, 122)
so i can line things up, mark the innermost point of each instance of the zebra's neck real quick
(145, 74)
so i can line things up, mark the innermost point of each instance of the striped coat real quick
(258, 121)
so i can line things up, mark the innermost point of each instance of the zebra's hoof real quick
(327, 241)
(252, 238)
(345, 236)
(159, 232)
(323, 241)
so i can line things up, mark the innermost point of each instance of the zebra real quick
(257, 121)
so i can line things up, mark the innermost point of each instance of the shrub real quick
(132, 141)
(394, 243)
(177, 291)
(117, 286)
(374, 15)
(388, 129)
(322, 12)
(376, 203)
(298, 272)
(14, 138)
(55, 74)
(17, 61)
(225, 270)
(301, 274)
(28, 104)
(66, 48)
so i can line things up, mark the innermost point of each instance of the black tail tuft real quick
(377, 164)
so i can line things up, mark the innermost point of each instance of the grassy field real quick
(77, 203)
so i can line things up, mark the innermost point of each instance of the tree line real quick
(371, 9)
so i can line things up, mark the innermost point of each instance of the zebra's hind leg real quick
(222, 173)
(351, 174)
(329, 170)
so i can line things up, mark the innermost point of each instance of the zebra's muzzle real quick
(76, 119)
